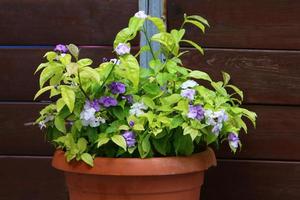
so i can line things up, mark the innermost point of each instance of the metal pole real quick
(154, 8)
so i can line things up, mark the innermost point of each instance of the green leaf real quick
(198, 18)
(183, 144)
(148, 102)
(41, 91)
(159, 23)
(59, 123)
(167, 40)
(249, 114)
(237, 90)
(138, 127)
(73, 49)
(89, 73)
(191, 131)
(88, 159)
(51, 55)
(200, 75)
(129, 69)
(144, 145)
(218, 86)
(177, 35)
(66, 59)
(48, 72)
(41, 66)
(176, 121)
(210, 138)
(196, 23)
(172, 99)
(124, 36)
(226, 77)
(68, 96)
(152, 88)
(163, 78)
(135, 24)
(103, 139)
(60, 104)
(120, 141)
(85, 62)
(82, 145)
(194, 45)
(162, 145)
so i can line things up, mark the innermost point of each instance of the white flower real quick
(137, 109)
(42, 124)
(189, 84)
(88, 118)
(122, 49)
(115, 61)
(141, 14)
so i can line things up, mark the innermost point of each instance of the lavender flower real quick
(137, 109)
(117, 88)
(188, 93)
(131, 123)
(122, 49)
(233, 140)
(88, 118)
(141, 14)
(92, 104)
(108, 101)
(196, 112)
(61, 48)
(189, 84)
(128, 98)
(129, 136)
(42, 124)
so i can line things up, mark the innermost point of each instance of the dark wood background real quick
(256, 41)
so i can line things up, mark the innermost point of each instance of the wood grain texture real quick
(43, 22)
(252, 180)
(266, 77)
(276, 135)
(30, 178)
(264, 24)
(247, 180)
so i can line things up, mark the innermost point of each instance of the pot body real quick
(170, 178)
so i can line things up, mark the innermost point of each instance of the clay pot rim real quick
(137, 166)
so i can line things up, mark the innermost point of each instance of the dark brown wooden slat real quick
(18, 81)
(30, 178)
(252, 180)
(276, 136)
(27, 22)
(266, 77)
(265, 24)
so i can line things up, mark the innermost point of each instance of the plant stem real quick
(107, 77)
(80, 87)
(148, 42)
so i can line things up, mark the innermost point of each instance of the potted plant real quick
(126, 132)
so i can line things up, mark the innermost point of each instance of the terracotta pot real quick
(165, 178)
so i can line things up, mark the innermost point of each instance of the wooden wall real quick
(256, 41)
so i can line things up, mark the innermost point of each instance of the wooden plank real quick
(30, 178)
(252, 180)
(88, 22)
(276, 137)
(247, 180)
(265, 24)
(266, 77)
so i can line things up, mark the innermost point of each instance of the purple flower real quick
(217, 128)
(122, 49)
(117, 88)
(196, 112)
(108, 101)
(129, 136)
(61, 48)
(128, 98)
(131, 123)
(188, 93)
(92, 104)
(233, 140)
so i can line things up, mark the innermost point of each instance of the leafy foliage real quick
(118, 109)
